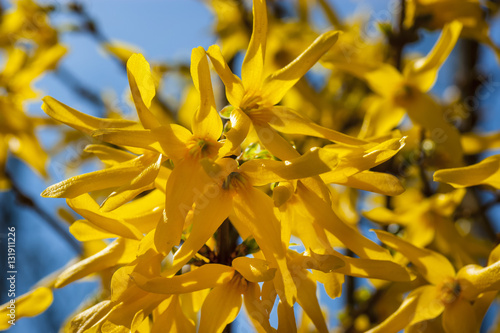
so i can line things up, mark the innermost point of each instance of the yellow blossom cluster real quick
(255, 201)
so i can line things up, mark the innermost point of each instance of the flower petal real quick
(277, 84)
(377, 182)
(374, 269)
(383, 79)
(101, 179)
(253, 270)
(233, 84)
(253, 64)
(221, 306)
(433, 266)
(421, 304)
(307, 299)
(172, 318)
(426, 112)
(206, 276)
(287, 121)
(486, 172)
(256, 309)
(108, 222)
(423, 72)
(259, 218)
(143, 88)
(240, 126)
(475, 279)
(187, 183)
(119, 252)
(459, 317)
(30, 304)
(327, 219)
(141, 183)
(80, 121)
(206, 122)
(211, 209)
(140, 138)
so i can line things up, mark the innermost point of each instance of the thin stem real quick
(25, 200)
(74, 83)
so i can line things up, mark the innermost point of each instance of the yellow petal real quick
(288, 121)
(187, 182)
(459, 317)
(143, 89)
(85, 320)
(173, 140)
(30, 304)
(110, 156)
(256, 309)
(356, 159)
(221, 306)
(89, 209)
(128, 314)
(141, 183)
(423, 72)
(206, 122)
(253, 270)
(80, 121)
(139, 138)
(274, 142)
(286, 318)
(307, 299)
(101, 179)
(240, 126)
(331, 281)
(119, 252)
(377, 182)
(314, 162)
(206, 276)
(234, 87)
(426, 112)
(475, 279)
(374, 269)
(421, 304)
(253, 64)
(210, 211)
(327, 219)
(486, 172)
(383, 79)
(259, 218)
(433, 266)
(85, 231)
(172, 319)
(278, 83)
(312, 260)
(473, 143)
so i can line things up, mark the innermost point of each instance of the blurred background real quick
(165, 32)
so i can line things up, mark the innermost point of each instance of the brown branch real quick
(26, 201)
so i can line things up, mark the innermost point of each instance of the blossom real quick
(405, 92)
(448, 292)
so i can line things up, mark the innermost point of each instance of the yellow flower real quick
(254, 97)
(449, 293)
(434, 14)
(406, 92)
(428, 220)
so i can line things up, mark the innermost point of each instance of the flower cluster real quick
(256, 200)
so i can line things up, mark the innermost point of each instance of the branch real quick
(25, 200)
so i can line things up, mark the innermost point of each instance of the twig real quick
(74, 83)
(25, 200)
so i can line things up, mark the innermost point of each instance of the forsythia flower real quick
(200, 210)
